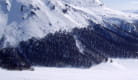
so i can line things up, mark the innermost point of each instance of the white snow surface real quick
(21, 20)
(120, 69)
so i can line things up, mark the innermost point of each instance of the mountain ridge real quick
(29, 20)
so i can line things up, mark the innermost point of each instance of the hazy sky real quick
(122, 4)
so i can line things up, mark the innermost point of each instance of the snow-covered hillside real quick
(37, 18)
(60, 33)
(118, 70)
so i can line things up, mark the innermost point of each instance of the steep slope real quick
(78, 33)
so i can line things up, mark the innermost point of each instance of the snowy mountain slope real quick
(77, 33)
(35, 19)
(40, 17)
